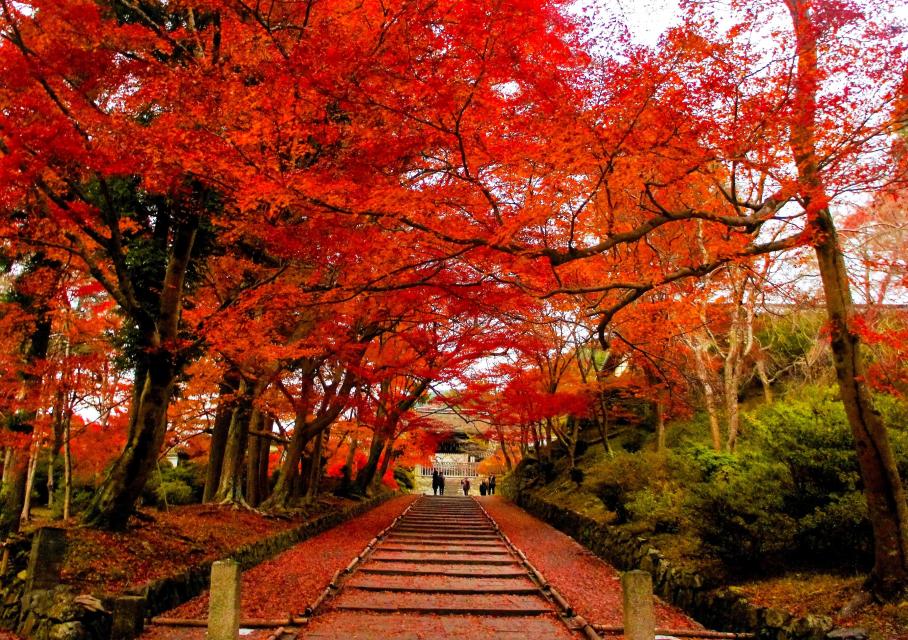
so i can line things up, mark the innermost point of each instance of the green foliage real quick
(183, 484)
(739, 512)
(404, 478)
(81, 498)
(625, 474)
(660, 509)
(791, 495)
(173, 492)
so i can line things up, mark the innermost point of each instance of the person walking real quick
(441, 483)
(435, 482)
(465, 483)
(483, 487)
(492, 485)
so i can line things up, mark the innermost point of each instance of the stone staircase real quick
(442, 571)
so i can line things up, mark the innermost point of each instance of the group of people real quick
(486, 487)
(438, 482)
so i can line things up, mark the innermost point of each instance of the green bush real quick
(661, 509)
(173, 492)
(623, 475)
(404, 478)
(79, 501)
(183, 484)
(739, 513)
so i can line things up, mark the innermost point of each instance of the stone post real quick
(128, 617)
(45, 561)
(224, 601)
(639, 617)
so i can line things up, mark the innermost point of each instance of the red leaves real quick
(289, 582)
(590, 586)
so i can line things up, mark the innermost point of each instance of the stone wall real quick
(60, 613)
(716, 607)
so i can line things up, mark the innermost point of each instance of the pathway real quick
(442, 570)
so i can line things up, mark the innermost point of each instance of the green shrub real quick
(173, 492)
(624, 474)
(183, 484)
(79, 501)
(842, 521)
(739, 513)
(404, 478)
(660, 509)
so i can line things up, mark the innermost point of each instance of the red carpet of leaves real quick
(589, 585)
(101, 561)
(290, 581)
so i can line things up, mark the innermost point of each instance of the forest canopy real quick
(273, 230)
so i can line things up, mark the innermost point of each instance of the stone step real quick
(448, 548)
(482, 551)
(419, 540)
(459, 530)
(416, 536)
(446, 603)
(451, 520)
(441, 558)
(404, 568)
(346, 625)
(443, 584)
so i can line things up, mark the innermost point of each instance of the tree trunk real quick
(67, 468)
(886, 501)
(115, 500)
(660, 426)
(883, 489)
(230, 487)
(265, 459)
(367, 474)
(315, 470)
(385, 464)
(346, 483)
(709, 397)
(764, 381)
(33, 454)
(12, 493)
(504, 450)
(226, 403)
(283, 490)
(257, 447)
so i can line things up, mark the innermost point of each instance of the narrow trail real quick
(443, 569)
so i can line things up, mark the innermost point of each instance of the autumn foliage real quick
(267, 233)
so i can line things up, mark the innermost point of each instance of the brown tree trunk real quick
(886, 500)
(709, 397)
(315, 469)
(12, 493)
(347, 471)
(660, 426)
(504, 449)
(226, 404)
(230, 487)
(764, 380)
(367, 474)
(256, 447)
(283, 490)
(387, 457)
(115, 500)
(264, 460)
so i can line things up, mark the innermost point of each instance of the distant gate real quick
(450, 469)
